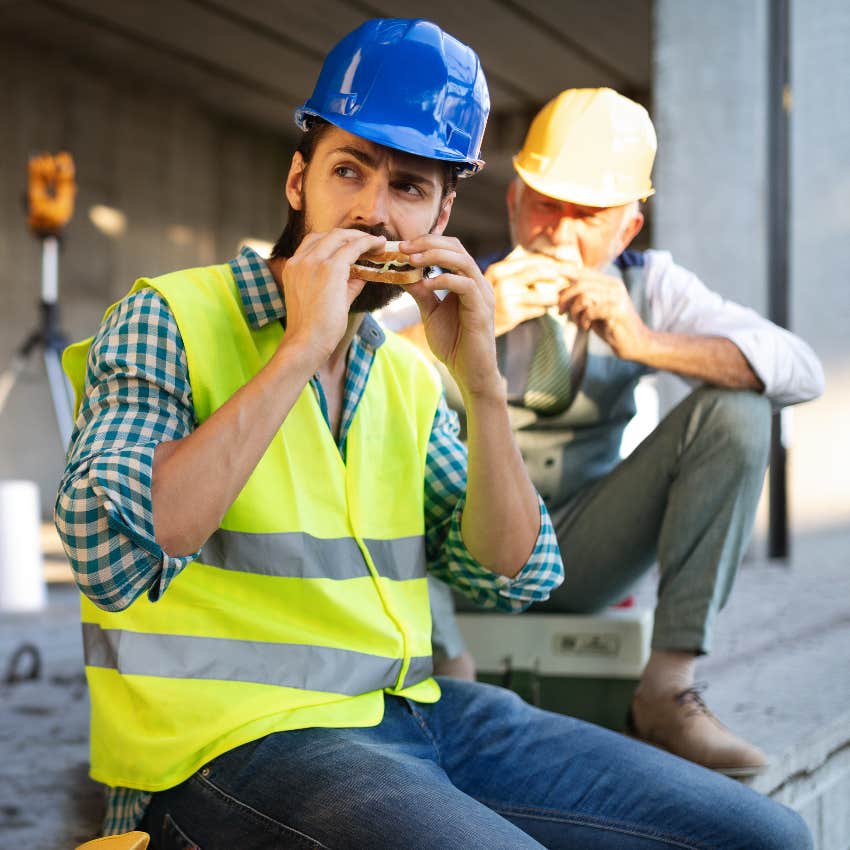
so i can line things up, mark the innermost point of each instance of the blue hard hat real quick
(407, 85)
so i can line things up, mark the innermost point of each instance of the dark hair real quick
(293, 232)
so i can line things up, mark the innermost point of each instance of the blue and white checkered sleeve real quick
(448, 557)
(137, 396)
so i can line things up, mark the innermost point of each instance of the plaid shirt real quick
(138, 395)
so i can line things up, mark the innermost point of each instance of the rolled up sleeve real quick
(448, 557)
(137, 396)
(681, 303)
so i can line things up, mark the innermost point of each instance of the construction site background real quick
(168, 181)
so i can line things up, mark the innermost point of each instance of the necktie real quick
(555, 374)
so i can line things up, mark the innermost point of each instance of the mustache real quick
(376, 230)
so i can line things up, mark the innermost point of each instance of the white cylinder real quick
(50, 270)
(22, 585)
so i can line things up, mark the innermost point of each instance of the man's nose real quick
(373, 203)
(564, 231)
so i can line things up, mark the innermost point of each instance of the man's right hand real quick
(526, 285)
(318, 288)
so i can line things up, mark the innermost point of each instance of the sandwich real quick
(387, 266)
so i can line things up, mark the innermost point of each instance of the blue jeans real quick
(478, 769)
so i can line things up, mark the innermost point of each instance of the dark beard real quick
(373, 296)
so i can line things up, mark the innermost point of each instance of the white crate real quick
(612, 644)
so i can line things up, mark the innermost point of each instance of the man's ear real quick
(630, 231)
(295, 180)
(445, 211)
(511, 197)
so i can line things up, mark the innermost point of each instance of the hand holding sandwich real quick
(319, 288)
(601, 303)
(459, 329)
(526, 285)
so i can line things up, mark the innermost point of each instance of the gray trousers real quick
(685, 498)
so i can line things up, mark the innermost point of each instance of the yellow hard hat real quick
(589, 146)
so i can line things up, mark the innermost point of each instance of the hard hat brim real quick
(574, 193)
(403, 139)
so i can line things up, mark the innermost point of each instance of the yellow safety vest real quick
(308, 603)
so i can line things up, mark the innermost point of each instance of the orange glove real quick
(51, 193)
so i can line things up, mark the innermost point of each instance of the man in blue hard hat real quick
(260, 478)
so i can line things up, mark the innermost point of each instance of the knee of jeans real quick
(741, 419)
(769, 825)
(792, 832)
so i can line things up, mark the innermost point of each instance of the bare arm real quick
(597, 302)
(712, 359)
(501, 517)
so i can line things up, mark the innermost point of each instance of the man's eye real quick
(345, 171)
(409, 189)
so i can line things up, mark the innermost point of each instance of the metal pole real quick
(778, 195)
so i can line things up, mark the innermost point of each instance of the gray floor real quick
(779, 675)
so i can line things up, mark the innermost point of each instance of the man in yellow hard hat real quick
(579, 320)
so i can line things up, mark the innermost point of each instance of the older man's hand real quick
(601, 303)
(526, 285)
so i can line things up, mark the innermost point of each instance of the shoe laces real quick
(693, 697)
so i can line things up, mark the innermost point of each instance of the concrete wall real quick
(710, 96)
(820, 308)
(190, 185)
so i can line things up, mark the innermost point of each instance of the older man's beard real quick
(373, 296)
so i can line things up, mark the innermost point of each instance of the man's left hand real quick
(460, 329)
(601, 303)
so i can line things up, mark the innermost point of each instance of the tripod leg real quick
(9, 377)
(62, 395)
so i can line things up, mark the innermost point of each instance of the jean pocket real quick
(173, 838)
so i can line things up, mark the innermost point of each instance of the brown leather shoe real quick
(683, 725)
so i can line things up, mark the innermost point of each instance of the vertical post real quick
(53, 340)
(778, 206)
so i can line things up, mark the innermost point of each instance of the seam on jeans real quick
(423, 725)
(256, 815)
(533, 812)
(168, 823)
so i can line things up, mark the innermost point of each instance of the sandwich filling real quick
(388, 266)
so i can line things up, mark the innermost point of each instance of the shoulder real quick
(662, 272)
(493, 257)
(144, 311)
(631, 258)
(200, 282)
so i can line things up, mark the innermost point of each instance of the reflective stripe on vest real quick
(313, 668)
(299, 555)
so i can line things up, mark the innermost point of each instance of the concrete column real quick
(710, 96)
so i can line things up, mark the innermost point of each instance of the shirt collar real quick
(261, 297)
(263, 302)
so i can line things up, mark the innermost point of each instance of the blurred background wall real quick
(179, 117)
(710, 108)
